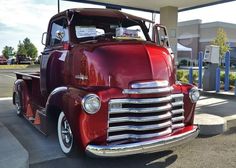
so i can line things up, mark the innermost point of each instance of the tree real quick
(221, 40)
(8, 51)
(27, 48)
(21, 49)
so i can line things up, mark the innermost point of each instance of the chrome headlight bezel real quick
(88, 103)
(194, 94)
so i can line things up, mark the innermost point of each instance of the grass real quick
(18, 66)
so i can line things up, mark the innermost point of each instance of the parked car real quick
(3, 60)
(11, 61)
(23, 59)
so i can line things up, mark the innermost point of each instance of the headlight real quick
(194, 95)
(91, 103)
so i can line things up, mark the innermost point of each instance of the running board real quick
(36, 115)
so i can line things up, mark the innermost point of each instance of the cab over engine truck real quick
(111, 87)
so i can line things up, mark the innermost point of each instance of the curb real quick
(12, 153)
(210, 124)
(231, 121)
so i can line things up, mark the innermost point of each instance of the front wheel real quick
(65, 135)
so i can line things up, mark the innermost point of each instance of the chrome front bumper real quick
(141, 147)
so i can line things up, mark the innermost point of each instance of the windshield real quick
(107, 28)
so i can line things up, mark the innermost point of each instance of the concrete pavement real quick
(12, 153)
(22, 143)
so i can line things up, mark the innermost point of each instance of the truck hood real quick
(120, 64)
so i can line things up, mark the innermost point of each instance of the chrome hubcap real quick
(66, 133)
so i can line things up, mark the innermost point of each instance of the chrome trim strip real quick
(141, 101)
(141, 147)
(177, 111)
(147, 91)
(175, 126)
(140, 119)
(150, 84)
(140, 110)
(177, 119)
(143, 136)
(139, 128)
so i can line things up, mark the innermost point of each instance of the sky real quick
(29, 18)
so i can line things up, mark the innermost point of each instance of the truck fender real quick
(55, 98)
(68, 100)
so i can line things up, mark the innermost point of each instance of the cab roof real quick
(102, 13)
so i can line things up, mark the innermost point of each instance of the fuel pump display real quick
(212, 60)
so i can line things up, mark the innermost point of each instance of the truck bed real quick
(27, 75)
(32, 87)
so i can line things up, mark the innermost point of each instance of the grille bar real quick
(141, 101)
(135, 136)
(152, 84)
(174, 96)
(175, 126)
(140, 119)
(141, 110)
(177, 111)
(140, 128)
(148, 91)
(179, 103)
(177, 119)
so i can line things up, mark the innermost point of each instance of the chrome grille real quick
(140, 118)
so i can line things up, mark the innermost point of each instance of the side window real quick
(59, 32)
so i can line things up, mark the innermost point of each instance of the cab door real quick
(54, 55)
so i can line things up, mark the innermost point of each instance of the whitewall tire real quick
(65, 135)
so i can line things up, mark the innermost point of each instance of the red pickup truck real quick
(111, 87)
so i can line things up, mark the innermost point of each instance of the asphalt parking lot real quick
(209, 151)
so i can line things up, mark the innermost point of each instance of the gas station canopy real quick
(154, 5)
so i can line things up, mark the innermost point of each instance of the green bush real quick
(232, 78)
(182, 75)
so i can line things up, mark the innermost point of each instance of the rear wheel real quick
(18, 104)
(65, 135)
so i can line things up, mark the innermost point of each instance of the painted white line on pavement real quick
(5, 98)
(9, 76)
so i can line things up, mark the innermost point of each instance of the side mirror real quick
(44, 38)
(160, 36)
(60, 34)
(164, 40)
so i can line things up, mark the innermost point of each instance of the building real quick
(196, 35)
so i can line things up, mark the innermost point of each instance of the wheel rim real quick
(65, 135)
(17, 104)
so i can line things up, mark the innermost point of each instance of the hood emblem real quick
(81, 77)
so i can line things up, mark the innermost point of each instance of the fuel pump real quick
(211, 59)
